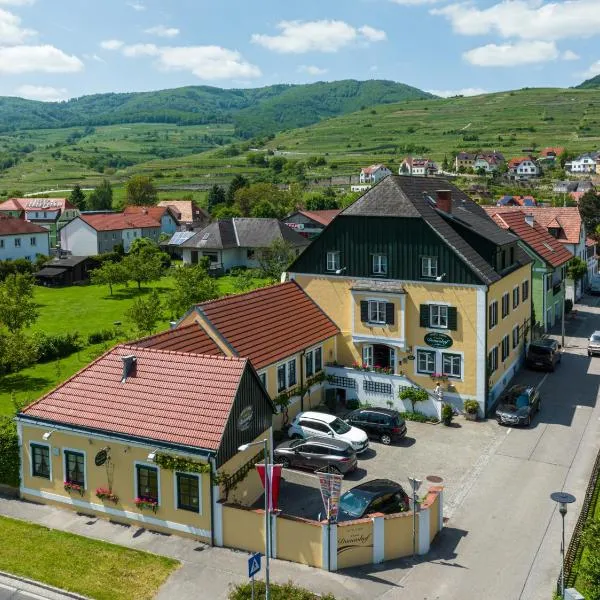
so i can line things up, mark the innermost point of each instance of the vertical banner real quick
(331, 487)
(274, 480)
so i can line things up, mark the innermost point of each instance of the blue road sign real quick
(253, 565)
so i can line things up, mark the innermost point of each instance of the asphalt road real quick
(503, 541)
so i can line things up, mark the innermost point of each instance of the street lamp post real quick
(415, 484)
(242, 448)
(562, 499)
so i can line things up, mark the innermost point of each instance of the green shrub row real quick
(9, 452)
(52, 347)
(278, 592)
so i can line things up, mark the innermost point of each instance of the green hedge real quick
(278, 592)
(9, 452)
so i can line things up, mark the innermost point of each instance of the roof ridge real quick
(254, 291)
(155, 335)
(180, 353)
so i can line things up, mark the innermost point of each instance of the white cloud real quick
(11, 31)
(45, 59)
(16, 2)
(570, 55)
(42, 92)
(138, 6)
(509, 55)
(298, 37)
(311, 70)
(205, 62)
(592, 71)
(162, 31)
(414, 2)
(111, 44)
(94, 57)
(461, 92)
(526, 19)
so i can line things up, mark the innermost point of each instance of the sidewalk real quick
(211, 570)
(13, 587)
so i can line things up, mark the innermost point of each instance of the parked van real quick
(544, 354)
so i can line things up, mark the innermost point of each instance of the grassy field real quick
(179, 155)
(93, 568)
(85, 309)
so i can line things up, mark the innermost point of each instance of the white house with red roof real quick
(523, 167)
(91, 234)
(374, 173)
(417, 166)
(21, 239)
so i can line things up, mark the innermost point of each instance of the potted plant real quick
(471, 410)
(144, 502)
(106, 494)
(73, 487)
(447, 413)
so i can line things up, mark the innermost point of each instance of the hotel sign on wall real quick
(438, 340)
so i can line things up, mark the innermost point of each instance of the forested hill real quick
(253, 111)
(594, 82)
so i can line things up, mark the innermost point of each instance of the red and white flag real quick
(274, 481)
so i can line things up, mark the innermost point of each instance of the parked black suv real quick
(544, 354)
(383, 424)
(376, 496)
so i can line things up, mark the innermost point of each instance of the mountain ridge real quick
(593, 82)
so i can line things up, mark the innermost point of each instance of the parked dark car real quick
(376, 496)
(518, 405)
(544, 354)
(333, 456)
(383, 424)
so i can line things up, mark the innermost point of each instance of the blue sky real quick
(56, 49)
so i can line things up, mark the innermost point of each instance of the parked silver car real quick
(333, 456)
(594, 344)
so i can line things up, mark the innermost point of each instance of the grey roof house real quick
(238, 242)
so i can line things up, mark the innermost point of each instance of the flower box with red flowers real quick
(73, 487)
(106, 494)
(145, 503)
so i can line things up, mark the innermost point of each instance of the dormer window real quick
(333, 261)
(429, 266)
(379, 264)
(554, 231)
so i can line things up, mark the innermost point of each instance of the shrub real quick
(471, 406)
(278, 592)
(352, 403)
(414, 394)
(51, 347)
(9, 452)
(417, 417)
(101, 336)
(447, 413)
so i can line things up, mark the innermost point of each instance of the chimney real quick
(129, 363)
(529, 219)
(443, 200)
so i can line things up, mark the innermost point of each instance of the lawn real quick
(85, 309)
(78, 564)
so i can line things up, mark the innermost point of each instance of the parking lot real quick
(456, 453)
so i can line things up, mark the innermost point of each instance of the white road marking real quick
(541, 383)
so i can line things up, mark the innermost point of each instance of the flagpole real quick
(267, 521)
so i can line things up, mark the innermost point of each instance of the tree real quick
(320, 202)
(193, 284)
(145, 313)
(101, 198)
(143, 267)
(17, 351)
(140, 191)
(16, 299)
(237, 183)
(265, 210)
(216, 196)
(414, 394)
(246, 198)
(275, 259)
(77, 197)
(589, 209)
(110, 274)
(576, 269)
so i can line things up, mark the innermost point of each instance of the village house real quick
(50, 213)
(489, 162)
(66, 270)
(238, 242)
(509, 200)
(585, 163)
(91, 234)
(22, 239)
(310, 223)
(374, 173)
(464, 160)
(187, 214)
(420, 282)
(165, 215)
(523, 168)
(417, 166)
(549, 268)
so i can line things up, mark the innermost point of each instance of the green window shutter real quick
(424, 316)
(452, 318)
(364, 311)
(389, 313)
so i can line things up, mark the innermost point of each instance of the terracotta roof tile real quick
(13, 226)
(189, 338)
(156, 212)
(321, 216)
(269, 324)
(171, 397)
(188, 211)
(47, 204)
(117, 221)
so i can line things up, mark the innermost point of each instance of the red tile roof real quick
(536, 237)
(371, 169)
(567, 217)
(171, 397)
(556, 151)
(11, 204)
(188, 211)
(189, 338)
(14, 226)
(269, 324)
(156, 212)
(321, 216)
(117, 221)
(47, 204)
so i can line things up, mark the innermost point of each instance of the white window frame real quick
(33, 442)
(333, 260)
(441, 321)
(506, 296)
(452, 356)
(142, 463)
(17, 242)
(379, 264)
(286, 366)
(494, 304)
(264, 379)
(1, 243)
(176, 495)
(429, 354)
(516, 294)
(33, 241)
(377, 311)
(310, 354)
(429, 267)
(64, 462)
(367, 355)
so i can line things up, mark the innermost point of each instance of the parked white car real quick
(311, 424)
